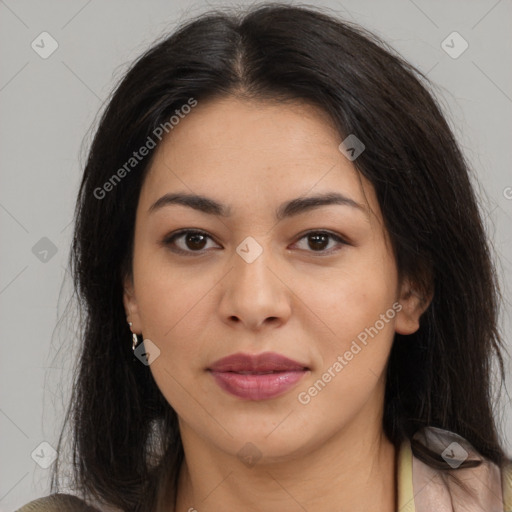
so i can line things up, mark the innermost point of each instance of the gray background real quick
(48, 106)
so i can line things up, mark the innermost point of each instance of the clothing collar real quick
(422, 488)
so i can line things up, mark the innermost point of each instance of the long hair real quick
(126, 441)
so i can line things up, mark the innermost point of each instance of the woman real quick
(290, 301)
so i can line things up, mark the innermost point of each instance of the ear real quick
(413, 306)
(131, 306)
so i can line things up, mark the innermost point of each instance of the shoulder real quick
(506, 477)
(57, 503)
(420, 485)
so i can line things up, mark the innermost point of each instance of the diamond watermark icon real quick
(44, 250)
(249, 249)
(454, 455)
(44, 45)
(147, 352)
(351, 147)
(44, 455)
(249, 454)
(454, 45)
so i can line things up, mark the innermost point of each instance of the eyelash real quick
(169, 240)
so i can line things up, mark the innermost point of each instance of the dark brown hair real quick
(126, 442)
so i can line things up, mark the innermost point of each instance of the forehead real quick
(252, 152)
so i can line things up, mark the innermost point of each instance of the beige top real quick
(420, 487)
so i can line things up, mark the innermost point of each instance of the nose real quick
(254, 293)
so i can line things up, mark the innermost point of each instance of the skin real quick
(330, 454)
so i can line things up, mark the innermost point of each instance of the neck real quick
(353, 471)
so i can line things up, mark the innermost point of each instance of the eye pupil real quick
(316, 240)
(194, 238)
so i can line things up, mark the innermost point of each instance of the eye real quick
(194, 241)
(317, 240)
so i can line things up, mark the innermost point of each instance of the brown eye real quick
(195, 241)
(319, 240)
(190, 241)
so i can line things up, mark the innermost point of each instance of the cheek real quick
(171, 299)
(356, 305)
(172, 309)
(352, 297)
(353, 360)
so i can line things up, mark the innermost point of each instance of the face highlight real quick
(233, 255)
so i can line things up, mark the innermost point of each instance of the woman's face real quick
(256, 282)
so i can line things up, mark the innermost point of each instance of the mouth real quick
(257, 377)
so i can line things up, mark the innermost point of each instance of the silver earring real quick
(135, 339)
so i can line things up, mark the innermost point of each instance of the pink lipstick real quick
(257, 377)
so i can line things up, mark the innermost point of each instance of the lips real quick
(257, 377)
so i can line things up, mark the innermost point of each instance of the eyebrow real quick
(288, 209)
